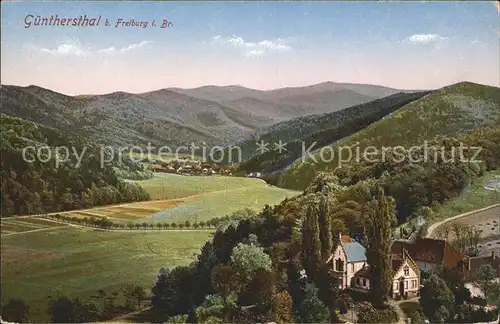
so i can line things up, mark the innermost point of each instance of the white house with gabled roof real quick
(350, 266)
(347, 259)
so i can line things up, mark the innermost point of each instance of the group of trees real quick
(127, 168)
(299, 233)
(364, 200)
(62, 309)
(465, 238)
(133, 175)
(444, 299)
(59, 172)
(220, 223)
(436, 172)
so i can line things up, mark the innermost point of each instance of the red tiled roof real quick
(430, 250)
(366, 272)
(397, 261)
(476, 262)
(346, 239)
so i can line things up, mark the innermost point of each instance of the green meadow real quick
(78, 262)
(475, 197)
(221, 203)
(172, 186)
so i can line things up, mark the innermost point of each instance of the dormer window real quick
(406, 270)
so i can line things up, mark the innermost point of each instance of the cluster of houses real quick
(254, 175)
(409, 258)
(191, 168)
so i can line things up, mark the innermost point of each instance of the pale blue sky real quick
(256, 44)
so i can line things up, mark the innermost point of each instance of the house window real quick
(358, 282)
(352, 267)
(364, 282)
(339, 265)
(406, 284)
(406, 271)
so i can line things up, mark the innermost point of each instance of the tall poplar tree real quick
(325, 227)
(311, 243)
(379, 218)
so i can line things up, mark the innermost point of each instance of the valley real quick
(250, 162)
(57, 248)
(167, 211)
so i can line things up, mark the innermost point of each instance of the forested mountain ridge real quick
(123, 119)
(448, 111)
(317, 130)
(30, 186)
(177, 117)
(284, 103)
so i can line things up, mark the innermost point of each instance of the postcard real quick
(250, 162)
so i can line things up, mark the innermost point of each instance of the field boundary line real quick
(98, 229)
(434, 226)
(35, 230)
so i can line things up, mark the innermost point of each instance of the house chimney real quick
(493, 255)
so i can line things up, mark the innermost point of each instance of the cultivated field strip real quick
(11, 226)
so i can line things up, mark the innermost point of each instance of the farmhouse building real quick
(430, 254)
(349, 265)
(474, 263)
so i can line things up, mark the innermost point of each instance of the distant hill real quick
(178, 117)
(285, 103)
(162, 118)
(451, 110)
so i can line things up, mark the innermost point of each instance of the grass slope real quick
(475, 197)
(319, 130)
(448, 111)
(172, 186)
(220, 203)
(78, 262)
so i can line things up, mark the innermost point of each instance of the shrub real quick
(345, 303)
(369, 314)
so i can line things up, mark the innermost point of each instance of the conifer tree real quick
(325, 228)
(379, 218)
(311, 243)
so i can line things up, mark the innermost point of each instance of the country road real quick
(435, 226)
(35, 230)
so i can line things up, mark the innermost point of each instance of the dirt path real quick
(435, 226)
(396, 305)
(401, 314)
